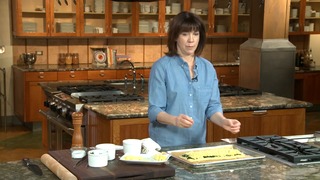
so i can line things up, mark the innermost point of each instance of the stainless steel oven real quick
(62, 99)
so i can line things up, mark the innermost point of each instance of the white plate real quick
(146, 159)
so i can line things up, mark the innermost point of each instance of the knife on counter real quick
(32, 167)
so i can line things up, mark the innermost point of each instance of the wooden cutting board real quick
(115, 169)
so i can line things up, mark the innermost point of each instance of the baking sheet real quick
(250, 155)
(146, 159)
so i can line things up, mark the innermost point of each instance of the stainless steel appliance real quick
(64, 99)
(283, 149)
(268, 65)
(227, 90)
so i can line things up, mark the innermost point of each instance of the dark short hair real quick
(185, 22)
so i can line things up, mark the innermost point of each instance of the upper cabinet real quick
(86, 18)
(304, 17)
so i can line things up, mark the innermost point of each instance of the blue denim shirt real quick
(172, 90)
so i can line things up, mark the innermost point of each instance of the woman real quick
(183, 88)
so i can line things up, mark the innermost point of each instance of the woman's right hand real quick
(184, 121)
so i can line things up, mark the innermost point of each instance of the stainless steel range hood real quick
(268, 65)
(267, 57)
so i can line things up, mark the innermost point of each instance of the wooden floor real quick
(19, 142)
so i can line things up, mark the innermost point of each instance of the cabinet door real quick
(65, 18)
(94, 15)
(295, 23)
(30, 17)
(281, 122)
(242, 8)
(228, 75)
(223, 18)
(122, 18)
(148, 19)
(311, 24)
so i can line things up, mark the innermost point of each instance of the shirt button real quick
(190, 94)
(190, 106)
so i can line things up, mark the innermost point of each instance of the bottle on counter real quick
(68, 58)
(62, 59)
(75, 58)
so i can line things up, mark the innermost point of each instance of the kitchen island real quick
(260, 114)
(266, 168)
(263, 114)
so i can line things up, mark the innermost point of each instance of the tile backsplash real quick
(139, 49)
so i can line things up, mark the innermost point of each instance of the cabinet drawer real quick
(102, 74)
(41, 76)
(73, 75)
(122, 72)
(227, 71)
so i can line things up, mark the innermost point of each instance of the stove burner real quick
(282, 148)
(69, 89)
(111, 98)
(226, 90)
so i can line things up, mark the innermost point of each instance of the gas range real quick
(228, 90)
(282, 149)
(66, 99)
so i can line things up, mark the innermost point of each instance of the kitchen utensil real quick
(75, 2)
(66, 2)
(59, 2)
(33, 167)
(29, 58)
(132, 146)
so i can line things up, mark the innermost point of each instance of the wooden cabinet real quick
(28, 95)
(307, 87)
(228, 74)
(266, 122)
(46, 18)
(85, 18)
(101, 130)
(269, 122)
(304, 17)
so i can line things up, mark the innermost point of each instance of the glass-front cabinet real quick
(64, 19)
(94, 15)
(122, 18)
(31, 18)
(243, 16)
(223, 16)
(311, 22)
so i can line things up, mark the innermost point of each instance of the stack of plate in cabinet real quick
(99, 6)
(29, 26)
(123, 27)
(144, 26)
(65, 27)
(175, 8)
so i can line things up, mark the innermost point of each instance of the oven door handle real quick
(54, 120)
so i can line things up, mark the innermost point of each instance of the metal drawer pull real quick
(260, 112)
(102, 74)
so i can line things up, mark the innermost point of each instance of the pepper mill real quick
(77, 139)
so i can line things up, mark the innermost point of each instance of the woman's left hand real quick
(232, 125)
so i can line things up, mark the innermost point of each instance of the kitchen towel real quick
(58, 169)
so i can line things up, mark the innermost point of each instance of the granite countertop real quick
(83, 67)
(307, 70)
(266, 168)
(138, 109)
